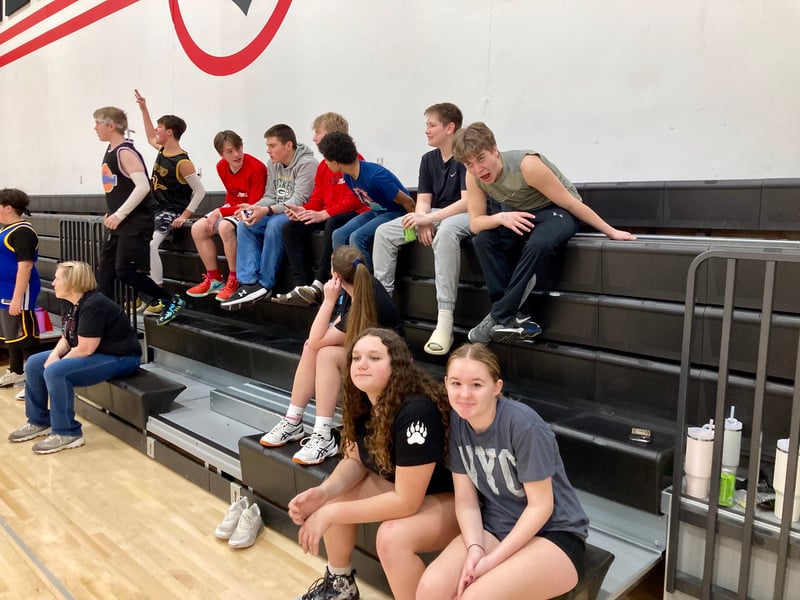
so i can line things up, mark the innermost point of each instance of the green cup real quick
(410, 234)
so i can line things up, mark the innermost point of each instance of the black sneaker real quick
(171, 310)
(246, 294)
(333, 587)
(520, 327)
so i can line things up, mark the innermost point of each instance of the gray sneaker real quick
(10, 378)
(57, 443)
(248, 528)
(283, 433)
(482, 332)
(315, 449)
(333, 587)
(28, 432)
(227, 526)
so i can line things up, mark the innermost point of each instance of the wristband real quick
(478, 545)
(271, 211)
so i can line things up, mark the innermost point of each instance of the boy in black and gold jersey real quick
(177, 188)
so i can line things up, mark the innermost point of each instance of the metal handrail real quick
(732, 257)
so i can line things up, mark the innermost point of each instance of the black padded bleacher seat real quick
(135, 397)
(275, 479)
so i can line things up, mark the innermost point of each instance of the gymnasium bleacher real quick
(608, 360)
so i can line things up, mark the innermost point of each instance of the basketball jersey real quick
(170, 190)
(8, 267)
(118, 187)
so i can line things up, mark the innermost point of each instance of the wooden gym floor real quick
(105, 521)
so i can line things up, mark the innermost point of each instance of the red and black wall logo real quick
(210, 63)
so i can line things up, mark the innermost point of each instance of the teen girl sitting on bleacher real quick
(393, 472)
(352, 301)
(523, 530)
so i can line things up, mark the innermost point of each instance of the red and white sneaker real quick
(230, 288)
(205, 287)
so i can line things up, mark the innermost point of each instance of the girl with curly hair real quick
(523, 530)
(393, 471)
(352, 301)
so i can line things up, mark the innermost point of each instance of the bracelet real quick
(271, 210)
(478, 545)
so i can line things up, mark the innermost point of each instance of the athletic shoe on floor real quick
(333, 587)
(246, 294)
(315, 449)
(227, 526)
(21, 394)
(482, 332)
(205, 287)
(171, 310)
(10, 378)
(141, 306)
(226, 292)
(302, 295)
(28, 432)
(520, 327)
(154, 308)
(283, 433)
(248, 528)
(57, 443)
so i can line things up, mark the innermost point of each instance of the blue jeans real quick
(58, 381)
(360, 230)
(260, 250)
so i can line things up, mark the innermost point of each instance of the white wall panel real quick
(611, 91)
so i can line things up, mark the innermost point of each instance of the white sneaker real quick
(227, 526)
(284, 432)
(21, 394)
(315, 449)
(250, 525)
(10, 378)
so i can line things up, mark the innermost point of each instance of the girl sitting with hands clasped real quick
(393, 471)
(523, 530)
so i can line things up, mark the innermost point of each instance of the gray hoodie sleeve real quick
(290, 184)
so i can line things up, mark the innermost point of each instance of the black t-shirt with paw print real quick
(418, 436)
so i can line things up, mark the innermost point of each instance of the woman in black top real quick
(97, 343)
(394, 441)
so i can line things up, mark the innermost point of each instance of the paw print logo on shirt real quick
(416, 433)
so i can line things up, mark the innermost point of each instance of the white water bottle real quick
(732, 442)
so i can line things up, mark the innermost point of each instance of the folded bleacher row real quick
(609, 357)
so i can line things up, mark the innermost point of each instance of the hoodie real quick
(290, 184)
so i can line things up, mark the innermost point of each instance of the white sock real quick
(323, 426)
(445, 320)
(294, 414)
(340, 570)
(318, 284)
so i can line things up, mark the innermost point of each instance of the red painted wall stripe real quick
(89, 17)
(40, 15)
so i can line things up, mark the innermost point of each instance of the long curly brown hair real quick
(406, 379)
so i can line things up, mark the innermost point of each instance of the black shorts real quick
(127, 252)
(572, 545)
(21, 329)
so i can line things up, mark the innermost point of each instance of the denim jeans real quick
(260, 250)
(360, 230)
(58, 381)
